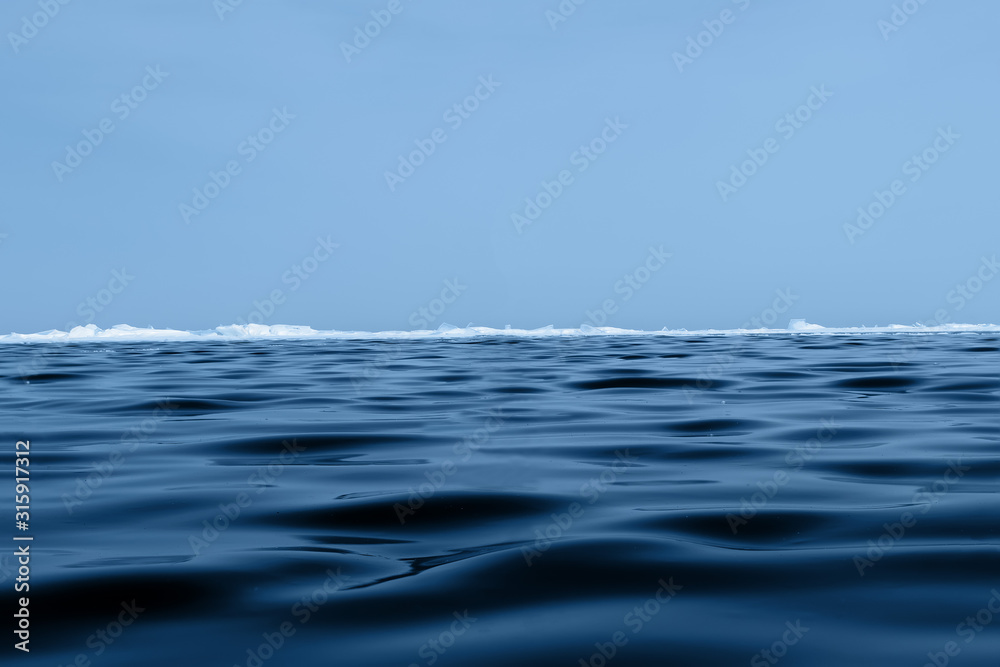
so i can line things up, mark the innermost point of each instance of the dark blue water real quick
(747, 500)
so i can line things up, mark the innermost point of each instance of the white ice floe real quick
(124, 332)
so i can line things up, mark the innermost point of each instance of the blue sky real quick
(266, 163)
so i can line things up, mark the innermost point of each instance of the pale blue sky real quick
(609, 69)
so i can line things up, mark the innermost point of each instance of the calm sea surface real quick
(714, 500)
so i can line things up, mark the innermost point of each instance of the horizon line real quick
(127, 333)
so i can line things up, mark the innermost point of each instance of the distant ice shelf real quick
(126, 333)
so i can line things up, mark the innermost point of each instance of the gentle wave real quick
(511, 501)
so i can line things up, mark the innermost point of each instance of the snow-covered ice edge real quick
(126, 333)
